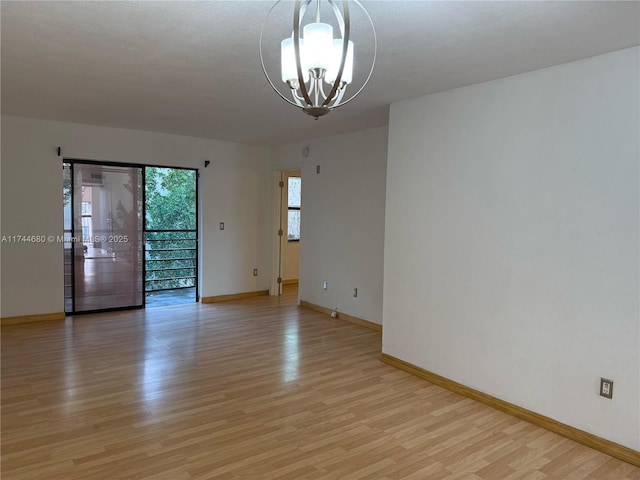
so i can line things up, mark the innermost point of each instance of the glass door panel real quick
(68, 234)
(108, 261)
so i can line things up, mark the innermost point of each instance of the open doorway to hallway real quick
(290, 221)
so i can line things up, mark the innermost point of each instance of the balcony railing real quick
(170, 259)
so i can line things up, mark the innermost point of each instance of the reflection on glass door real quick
(107, 248)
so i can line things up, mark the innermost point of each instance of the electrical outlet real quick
(255, 272)
(324, 285)
(355, 292)
(606, 388)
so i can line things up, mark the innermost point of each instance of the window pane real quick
(293, 230)
(170, 198)
(294, 191)
(66, 196)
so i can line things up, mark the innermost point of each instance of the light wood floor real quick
(254, 389)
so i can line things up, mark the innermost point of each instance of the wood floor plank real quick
(251, 389)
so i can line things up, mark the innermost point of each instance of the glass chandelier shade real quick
(347, 72)
(288, 62)
(316, 49)
(316, 66)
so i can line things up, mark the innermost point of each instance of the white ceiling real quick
(192, 68)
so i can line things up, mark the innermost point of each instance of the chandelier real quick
(317, 69)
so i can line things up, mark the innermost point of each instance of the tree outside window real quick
(293, 214)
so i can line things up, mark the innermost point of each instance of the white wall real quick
(512, 240)
(234, 189)
(342, 219)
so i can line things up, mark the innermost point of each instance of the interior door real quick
(107, 251)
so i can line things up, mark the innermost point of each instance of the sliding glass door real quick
(107, 249)
(131, 236)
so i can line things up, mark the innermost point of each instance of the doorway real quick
(290, 222)
(171, 236)
(130, 234)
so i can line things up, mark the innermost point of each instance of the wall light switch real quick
(221, 225)
(606, 388)
(324, 285)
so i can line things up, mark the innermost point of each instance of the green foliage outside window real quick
(170, 205)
